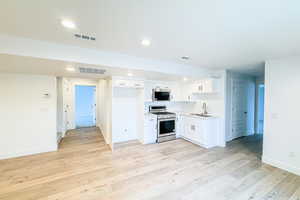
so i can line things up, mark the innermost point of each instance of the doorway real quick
(85, 106)
(242, 107)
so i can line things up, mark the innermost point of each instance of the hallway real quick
(84, 168)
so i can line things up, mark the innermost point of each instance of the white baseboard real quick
(281, 165)
(105, 139)
(27, 152)
(59, 137)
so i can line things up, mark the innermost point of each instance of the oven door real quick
(166, 127)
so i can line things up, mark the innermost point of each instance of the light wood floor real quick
(84, 168)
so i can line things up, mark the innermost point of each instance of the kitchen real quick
(155, 111)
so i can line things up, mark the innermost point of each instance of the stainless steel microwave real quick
(159, 94)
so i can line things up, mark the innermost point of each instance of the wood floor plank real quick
(84, 168)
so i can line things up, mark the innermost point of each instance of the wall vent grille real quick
(91, 70)
(85, 37)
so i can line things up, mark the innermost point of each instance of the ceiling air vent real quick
(91, 70)
(85, 37)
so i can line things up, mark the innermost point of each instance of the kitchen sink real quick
(201, 115)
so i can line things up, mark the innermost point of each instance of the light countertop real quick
(199, 117)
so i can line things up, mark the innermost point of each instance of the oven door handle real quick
(167, 134)
(167, 119)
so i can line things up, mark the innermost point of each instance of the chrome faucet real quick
(204, 109)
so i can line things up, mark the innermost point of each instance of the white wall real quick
(109, 113)
(28, 117)
(104, 121)
(282, 111)
(124, 109)
(60, 112)
(104, 109)
(127, 114)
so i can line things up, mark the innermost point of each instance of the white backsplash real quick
(175, 106)
(214, 106)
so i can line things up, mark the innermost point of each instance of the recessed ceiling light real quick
(185, 58)
(185, 79)
(130, 74)
(68, 24)
(70, 69)
(146, 42)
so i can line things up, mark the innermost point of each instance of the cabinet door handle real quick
(193, 127)
(200, 88)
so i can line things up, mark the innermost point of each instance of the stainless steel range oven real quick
(166, 123)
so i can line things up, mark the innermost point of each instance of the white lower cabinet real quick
(150, 130)
(179, 126)
(202, 131)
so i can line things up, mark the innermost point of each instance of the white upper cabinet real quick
(182, 91)
(128, 83)
(205, 86)
(185, 92)
(175, 92)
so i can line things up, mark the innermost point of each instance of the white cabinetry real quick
(205, 86)
(150, 129)
(179, 126)
(182, 91)
(128, 83)
(175, 92)
(186, 92)
(202, 131)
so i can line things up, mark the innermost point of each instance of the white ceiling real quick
(231, 34)
(29, 65)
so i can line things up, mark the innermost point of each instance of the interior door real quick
(239, 106)
(85, 106)
(68, 97)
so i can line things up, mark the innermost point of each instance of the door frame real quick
(74, 101)
(259, 81)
